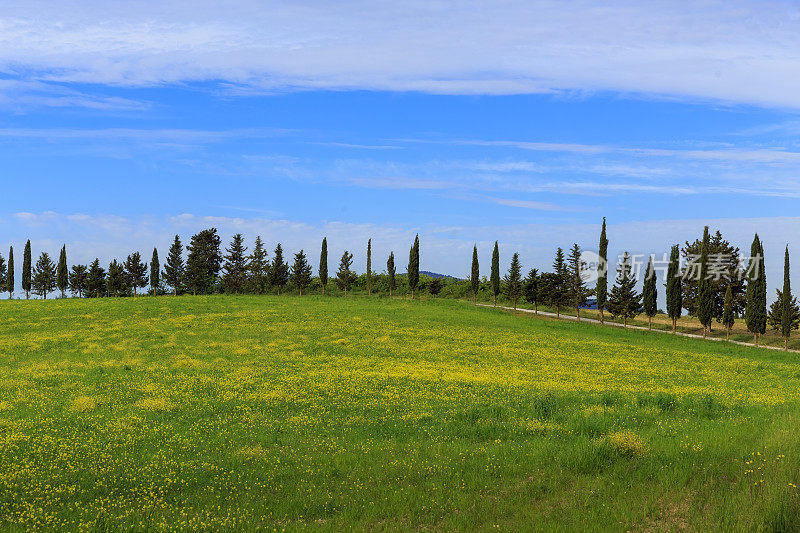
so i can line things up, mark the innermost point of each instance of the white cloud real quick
(737, 51)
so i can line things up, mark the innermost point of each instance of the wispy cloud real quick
(704, 50)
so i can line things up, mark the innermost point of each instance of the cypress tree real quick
(323, 264)
(650, 294)
(26, 270)
(474, 278)
(674, 290)
(3, 272)
(390, 269)
(727, 313)
(77, 280)
(576, 284)
(174, 268)
(369, 267)
(279, 270)
(136, 272)
(513, 280)
(155, 272)
(705, 301)
(531, 289)
(345, 275)
(301, 271)
(494, 278)
(786, 310)
(10, 281)
(413, 266)
(44, 276)
(602, 272)
(623, 300)
(234, 277)
(762, 292)
(96, 280)
(751, 293)
(258, 268)
(62, 274)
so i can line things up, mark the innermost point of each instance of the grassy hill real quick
(331, 413)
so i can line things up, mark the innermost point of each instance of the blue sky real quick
(525, 122)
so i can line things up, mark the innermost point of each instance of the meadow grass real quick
(323, 413)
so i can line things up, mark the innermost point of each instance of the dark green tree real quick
(174, 268)
(44, 276)
(10, 281)
(762, 292)
(27, 269)
(650, 293)
(234, 270)
(390, 270)
(279, 270)
(203, 262)
(323, 265)
(531, 289)
(258, 268)
(345, 275)
(752, 310)
(623, 301)
(475, 275)
(513, 280)
(788, 312)
(155, 273)
(553, 291)
(62, 273)
(3, 273)
(413, 266)
(96, 280)
(77, 280)
(775, 315)
(602, 272)
(301, 271)
(117, 280)
(369, 267)
(705, 298)
(724, 268)
(494, 275)
(559, 296)
(435, 286)
(576, 280)
(727, 313)
(674, 290)
(135, 271)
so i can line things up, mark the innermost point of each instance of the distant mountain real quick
(437, 275)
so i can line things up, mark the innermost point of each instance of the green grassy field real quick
(330, 413)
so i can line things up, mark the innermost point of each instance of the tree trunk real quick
(323, 291)
(649, 322)
(755, 338)
(495, 300)
(704, 331)
(601, 316)
(625, 322)
(27, 295)
(558, 312)
(475, 298)
(301, 290)
(674, 325)
(786, 344)
(578, 313)
(727, 333)
(515, 304)
(536, 308)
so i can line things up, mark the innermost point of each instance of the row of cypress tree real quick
(565, 286)
(207, 268)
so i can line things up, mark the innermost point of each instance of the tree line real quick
(721, 290)
(201, 267)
